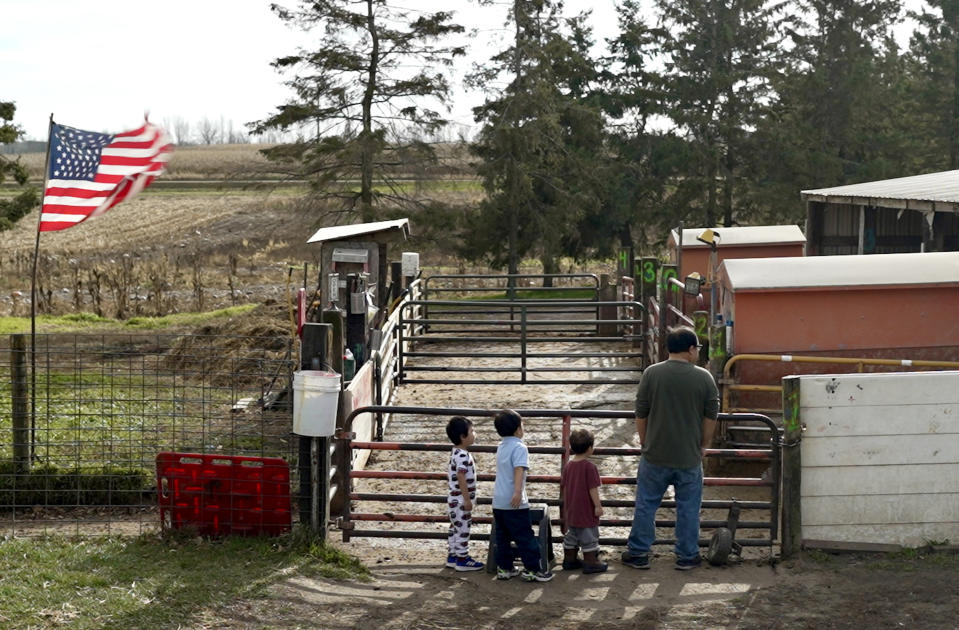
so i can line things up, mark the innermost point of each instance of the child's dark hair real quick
(457, 428)
(506, 422)
(580, 441)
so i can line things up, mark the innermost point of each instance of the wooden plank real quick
(915, 419)
(894, 388)
(867, 480)
(880, 510)
(911, 535)
(836, 545)
(880, 450)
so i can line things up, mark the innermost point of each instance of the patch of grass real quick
(148, 582)
(185, 319)
(81, 322)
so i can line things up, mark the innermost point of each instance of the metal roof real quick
(340, 232)
(874, 270)
(932, 191)
(742, 236)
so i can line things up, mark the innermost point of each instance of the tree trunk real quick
(366, 156)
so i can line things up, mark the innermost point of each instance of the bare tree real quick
(208, 130)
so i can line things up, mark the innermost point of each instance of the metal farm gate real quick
(408, 494)
(502, 333)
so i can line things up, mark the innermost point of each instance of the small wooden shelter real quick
(907, 214)
(760, 241)
(884, 305)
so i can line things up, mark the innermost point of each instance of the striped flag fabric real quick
(91, 172)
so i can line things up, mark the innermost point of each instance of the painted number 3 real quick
(649, 272)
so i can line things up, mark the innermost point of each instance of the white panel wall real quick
(880, 458)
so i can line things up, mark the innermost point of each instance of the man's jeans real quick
(651, 484)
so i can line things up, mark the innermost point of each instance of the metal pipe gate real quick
(347, 517)
(517, 324)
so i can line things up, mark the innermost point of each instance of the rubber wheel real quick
(720, 546)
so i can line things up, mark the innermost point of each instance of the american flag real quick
(91, 172)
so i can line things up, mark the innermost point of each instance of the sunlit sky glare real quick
(101, 64)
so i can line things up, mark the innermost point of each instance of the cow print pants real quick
(459, 536)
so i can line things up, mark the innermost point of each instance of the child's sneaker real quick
(468, 564)
(505, 574)
(450, 561)
(537, 576)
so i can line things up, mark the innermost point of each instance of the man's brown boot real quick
(570, 561)
(591, 563)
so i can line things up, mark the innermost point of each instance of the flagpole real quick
(33, 304)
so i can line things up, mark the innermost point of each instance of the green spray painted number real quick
(649, 271)
(624, 259)
(667, 274)
(702, 323)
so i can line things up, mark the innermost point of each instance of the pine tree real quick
(719, 57)
(12, 210)
(933, 63)
(538, 141)
(362, 97)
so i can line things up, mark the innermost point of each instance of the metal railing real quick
(349, 513)
(566, 286)
(510, 330)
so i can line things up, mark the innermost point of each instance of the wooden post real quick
(791, 469)
(20, 398)
(646, 285)
(607, 293)
(314, 451)
(396, 281)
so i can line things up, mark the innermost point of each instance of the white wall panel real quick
(880, 458)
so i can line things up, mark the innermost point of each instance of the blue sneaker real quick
(450, 561)
(468, 564)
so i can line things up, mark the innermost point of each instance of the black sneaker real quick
(635, 561)
(688, 564)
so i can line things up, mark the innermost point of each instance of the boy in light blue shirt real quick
(510, 505)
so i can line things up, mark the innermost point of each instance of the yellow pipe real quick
(859, 362)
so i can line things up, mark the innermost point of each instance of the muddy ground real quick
(411, 590)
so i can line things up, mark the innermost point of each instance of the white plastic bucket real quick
(315, 394)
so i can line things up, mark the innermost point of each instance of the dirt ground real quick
(411, 590)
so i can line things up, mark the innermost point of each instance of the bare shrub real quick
(121, 278)
(95, 278)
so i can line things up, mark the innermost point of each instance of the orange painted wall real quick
(795, 322)
(697, 258)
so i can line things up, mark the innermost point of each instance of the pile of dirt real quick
(245, 346)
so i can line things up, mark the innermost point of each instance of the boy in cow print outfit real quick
(461, 474)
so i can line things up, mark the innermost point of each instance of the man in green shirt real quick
(676, 408)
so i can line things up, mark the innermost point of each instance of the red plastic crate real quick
(219, 495)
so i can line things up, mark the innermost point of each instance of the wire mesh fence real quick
(86, 416)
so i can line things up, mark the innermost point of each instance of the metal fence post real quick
(19, 399)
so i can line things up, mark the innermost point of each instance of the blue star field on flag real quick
(76, 153)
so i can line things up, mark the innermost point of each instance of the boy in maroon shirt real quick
(582, 508)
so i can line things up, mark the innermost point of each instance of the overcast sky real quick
(100, 64)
